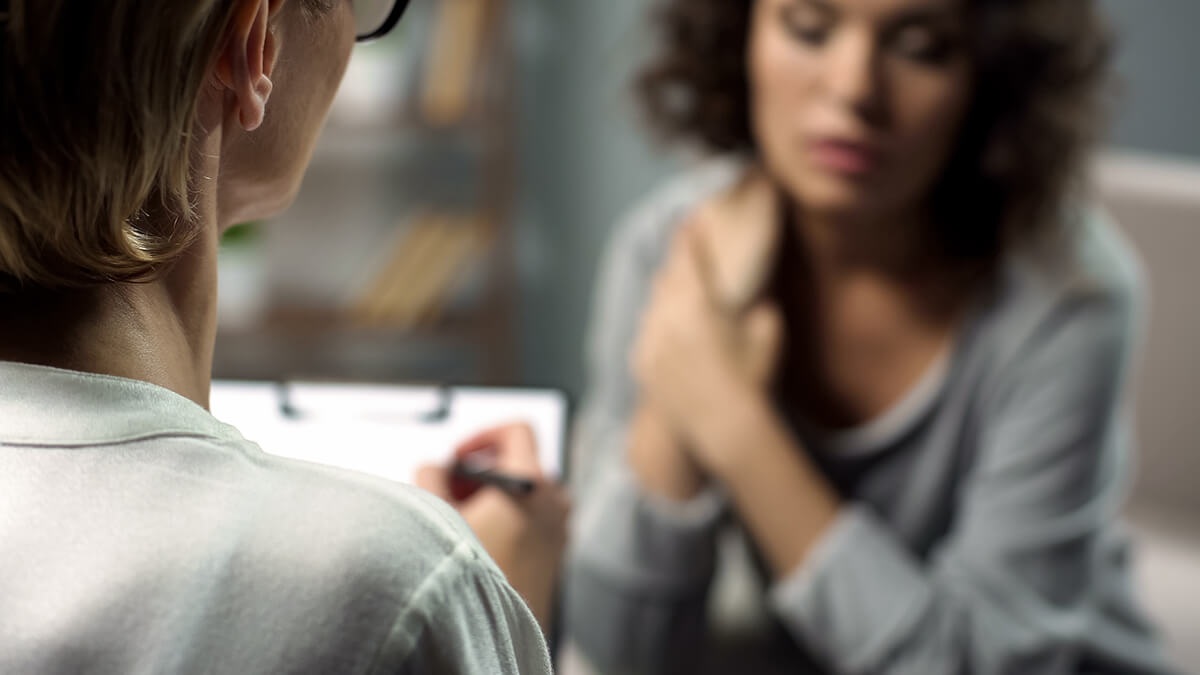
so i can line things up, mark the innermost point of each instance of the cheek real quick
(331, 51)
(320, 74)
(929, 109)
(928, 113)
(308, 81)
(343, 46)
(782, 76)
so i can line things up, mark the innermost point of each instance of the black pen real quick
(515, 487)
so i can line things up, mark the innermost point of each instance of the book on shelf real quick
(456, 53)
(420, 271)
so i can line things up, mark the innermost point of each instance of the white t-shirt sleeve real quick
(465, 619)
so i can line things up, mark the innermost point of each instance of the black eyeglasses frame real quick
(392, 20)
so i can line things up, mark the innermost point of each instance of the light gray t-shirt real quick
(979, 528)
(139, 535)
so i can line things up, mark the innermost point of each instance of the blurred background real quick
(475, 163)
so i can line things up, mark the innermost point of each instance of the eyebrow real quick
(929, 12)
(925, 15)
(822, 5)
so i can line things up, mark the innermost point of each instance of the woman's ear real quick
(247, 58)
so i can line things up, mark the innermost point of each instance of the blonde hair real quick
(100, 100)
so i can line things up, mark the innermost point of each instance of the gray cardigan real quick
(979, 532)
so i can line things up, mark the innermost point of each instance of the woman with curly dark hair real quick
(877, 349)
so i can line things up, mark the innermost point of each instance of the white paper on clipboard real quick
(388, 431)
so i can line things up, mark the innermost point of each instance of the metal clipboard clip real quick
(441, 411)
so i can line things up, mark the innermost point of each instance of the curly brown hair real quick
(1041, 68)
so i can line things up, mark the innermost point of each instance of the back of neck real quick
(161, 331)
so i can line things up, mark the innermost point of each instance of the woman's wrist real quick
(722, 437)
(787, 506)
(783, 499)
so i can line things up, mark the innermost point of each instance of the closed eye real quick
(808, 21)
(929, 37)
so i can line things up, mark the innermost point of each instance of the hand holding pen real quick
(467, 477)
(496, 483)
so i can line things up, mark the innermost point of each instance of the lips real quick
(846, 157)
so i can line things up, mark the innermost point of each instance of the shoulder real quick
(1092, 261)
(1049, 364)
(638, 246)
(647, 228)
(1064, 319)
(382, 549)
(1086, 287)
(454, 610)
(363, 523)
(1097, 261)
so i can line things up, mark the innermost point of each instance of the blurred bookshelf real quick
(396, 262)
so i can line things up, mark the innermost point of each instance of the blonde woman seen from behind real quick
(137, 533)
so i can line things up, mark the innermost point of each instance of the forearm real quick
(784, 502)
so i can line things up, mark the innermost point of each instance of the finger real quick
(764, 340)
(687, 274)
(511, 448)
(435, 480)
(683, 233)
(679, 262)
(483, 441)
(559, 500)
(550, 502)
(700, 264)
(552, 509)
(519, 453)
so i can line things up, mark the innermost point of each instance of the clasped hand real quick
(699, 360)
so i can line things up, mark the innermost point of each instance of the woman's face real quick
(856, 104)
(262, 170)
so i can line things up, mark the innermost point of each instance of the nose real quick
(854, 78)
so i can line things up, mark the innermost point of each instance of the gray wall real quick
(586, 163)
(1160, 67)
(587, 159)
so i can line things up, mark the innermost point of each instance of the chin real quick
(263, 202)
(834, 196)
(282, 202)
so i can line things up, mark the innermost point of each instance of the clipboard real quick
(385, 430)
